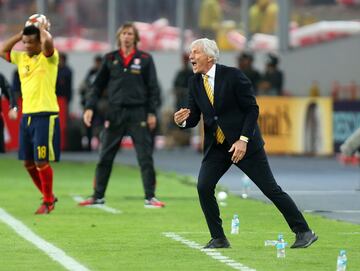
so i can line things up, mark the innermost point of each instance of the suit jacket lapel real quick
(217, 86)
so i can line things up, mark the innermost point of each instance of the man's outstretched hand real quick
(181, 115)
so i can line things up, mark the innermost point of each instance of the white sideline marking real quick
(334, 211)
(192, 232)
(350, 233)
(307, 192)
(52, 251)
(213, 253)
(99, 206)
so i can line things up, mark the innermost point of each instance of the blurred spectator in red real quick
(245, 64)
(5, 90)
(272, 81)
(348, 2)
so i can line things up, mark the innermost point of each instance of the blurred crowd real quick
(216, 19)
(266, 81)
(269, 82)
(206, 18)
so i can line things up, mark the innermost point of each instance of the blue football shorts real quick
(39, 137)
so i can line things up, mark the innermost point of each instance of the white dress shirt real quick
(211, 77)
(211, 80)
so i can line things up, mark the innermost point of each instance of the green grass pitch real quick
(133, 240)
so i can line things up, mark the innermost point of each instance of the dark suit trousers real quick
(257, 168)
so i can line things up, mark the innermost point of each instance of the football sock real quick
(34, 174)
(46, 177)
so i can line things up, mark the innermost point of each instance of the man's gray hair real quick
(209, 46)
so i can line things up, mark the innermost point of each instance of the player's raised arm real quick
(8, 44)
(47, 44)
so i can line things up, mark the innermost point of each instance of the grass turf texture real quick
(133, 240)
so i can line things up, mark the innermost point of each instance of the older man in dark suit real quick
(225, 98)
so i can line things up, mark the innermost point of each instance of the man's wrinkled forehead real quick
(199, 48)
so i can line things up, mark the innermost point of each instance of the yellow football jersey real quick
(38, 76)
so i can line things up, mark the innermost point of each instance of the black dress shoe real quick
(218, 243)
(304, 239)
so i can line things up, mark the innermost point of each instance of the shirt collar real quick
(127, 59)
(211, 72)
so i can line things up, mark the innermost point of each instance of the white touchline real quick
(99, 206)
(52, 251)
(213, 253)
(333, 211)
(307, 192)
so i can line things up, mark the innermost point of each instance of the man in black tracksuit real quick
(129, 76)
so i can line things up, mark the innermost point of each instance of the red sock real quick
(34, 174)
(46, 177)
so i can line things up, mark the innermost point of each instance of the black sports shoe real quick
(218, 243)
(304, 239)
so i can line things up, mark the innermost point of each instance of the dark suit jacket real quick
(235, 109)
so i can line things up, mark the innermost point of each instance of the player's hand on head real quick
(45, 25)
(48, 24)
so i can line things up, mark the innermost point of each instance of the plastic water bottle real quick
(235, 224)
(280, 247)
(245, 186)
(341, 261)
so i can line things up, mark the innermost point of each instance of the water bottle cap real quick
(280, 236)
(236, 216)
(342, 252)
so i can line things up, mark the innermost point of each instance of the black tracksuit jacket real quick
(127, 86)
